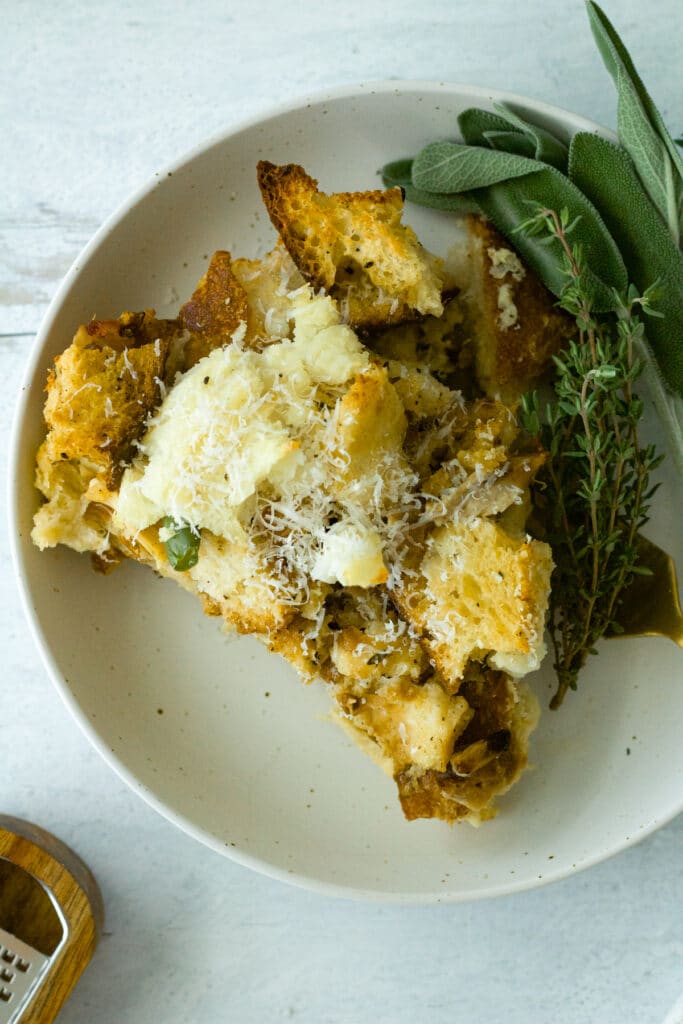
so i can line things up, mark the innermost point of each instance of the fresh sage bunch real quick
(625, 201)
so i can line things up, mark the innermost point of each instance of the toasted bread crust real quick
(353, 245)
(216, 309)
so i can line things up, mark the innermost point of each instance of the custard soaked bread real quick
(514, 323)
(345, 506)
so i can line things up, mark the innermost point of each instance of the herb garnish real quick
(506, 162)
(604, 236)
(182, 547)
(593, 494)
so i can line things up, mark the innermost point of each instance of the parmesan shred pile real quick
(246, 445)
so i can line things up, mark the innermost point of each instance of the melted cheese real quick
(351, 554)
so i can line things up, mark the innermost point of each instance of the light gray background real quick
(94, 99)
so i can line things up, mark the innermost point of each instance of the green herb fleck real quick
(182, 548)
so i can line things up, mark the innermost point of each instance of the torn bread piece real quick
(474, 586)
(268, 284)
(99, 394)
(514, 322)
(252, 296)
(489, 755)
(103, 386)
(479, 594)
(216, 309)
(354, 246)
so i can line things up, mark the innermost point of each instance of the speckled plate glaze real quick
(220, 736)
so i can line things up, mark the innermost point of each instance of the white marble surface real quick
(95, 98)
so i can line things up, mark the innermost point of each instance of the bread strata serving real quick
(316, 446)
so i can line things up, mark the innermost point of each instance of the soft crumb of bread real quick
(440, 344)
(67, 517)
(268, 283)
(489, 755)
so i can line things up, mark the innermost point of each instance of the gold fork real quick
(651, 606)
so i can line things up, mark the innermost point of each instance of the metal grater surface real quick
(21, 968)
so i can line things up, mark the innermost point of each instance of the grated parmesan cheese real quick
(250, 445)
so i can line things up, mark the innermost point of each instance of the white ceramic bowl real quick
(243, 756)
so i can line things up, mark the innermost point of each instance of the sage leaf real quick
(511, 142)
(651, 158)
(641, 127)
(398, 173)
(606, 175)
(474, 123)
(454, 167)
(508, 130)
(508, 205)
(547, 147)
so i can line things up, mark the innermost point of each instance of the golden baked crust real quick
(216, 309)
(102, 388)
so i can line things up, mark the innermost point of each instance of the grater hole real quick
(5, 995)
(8, 956)
(22, 965)
(6, 975)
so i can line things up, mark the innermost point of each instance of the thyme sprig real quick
(594, 491)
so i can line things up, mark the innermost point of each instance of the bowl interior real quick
(218, 734)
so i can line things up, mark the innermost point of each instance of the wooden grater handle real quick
(64, 875)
